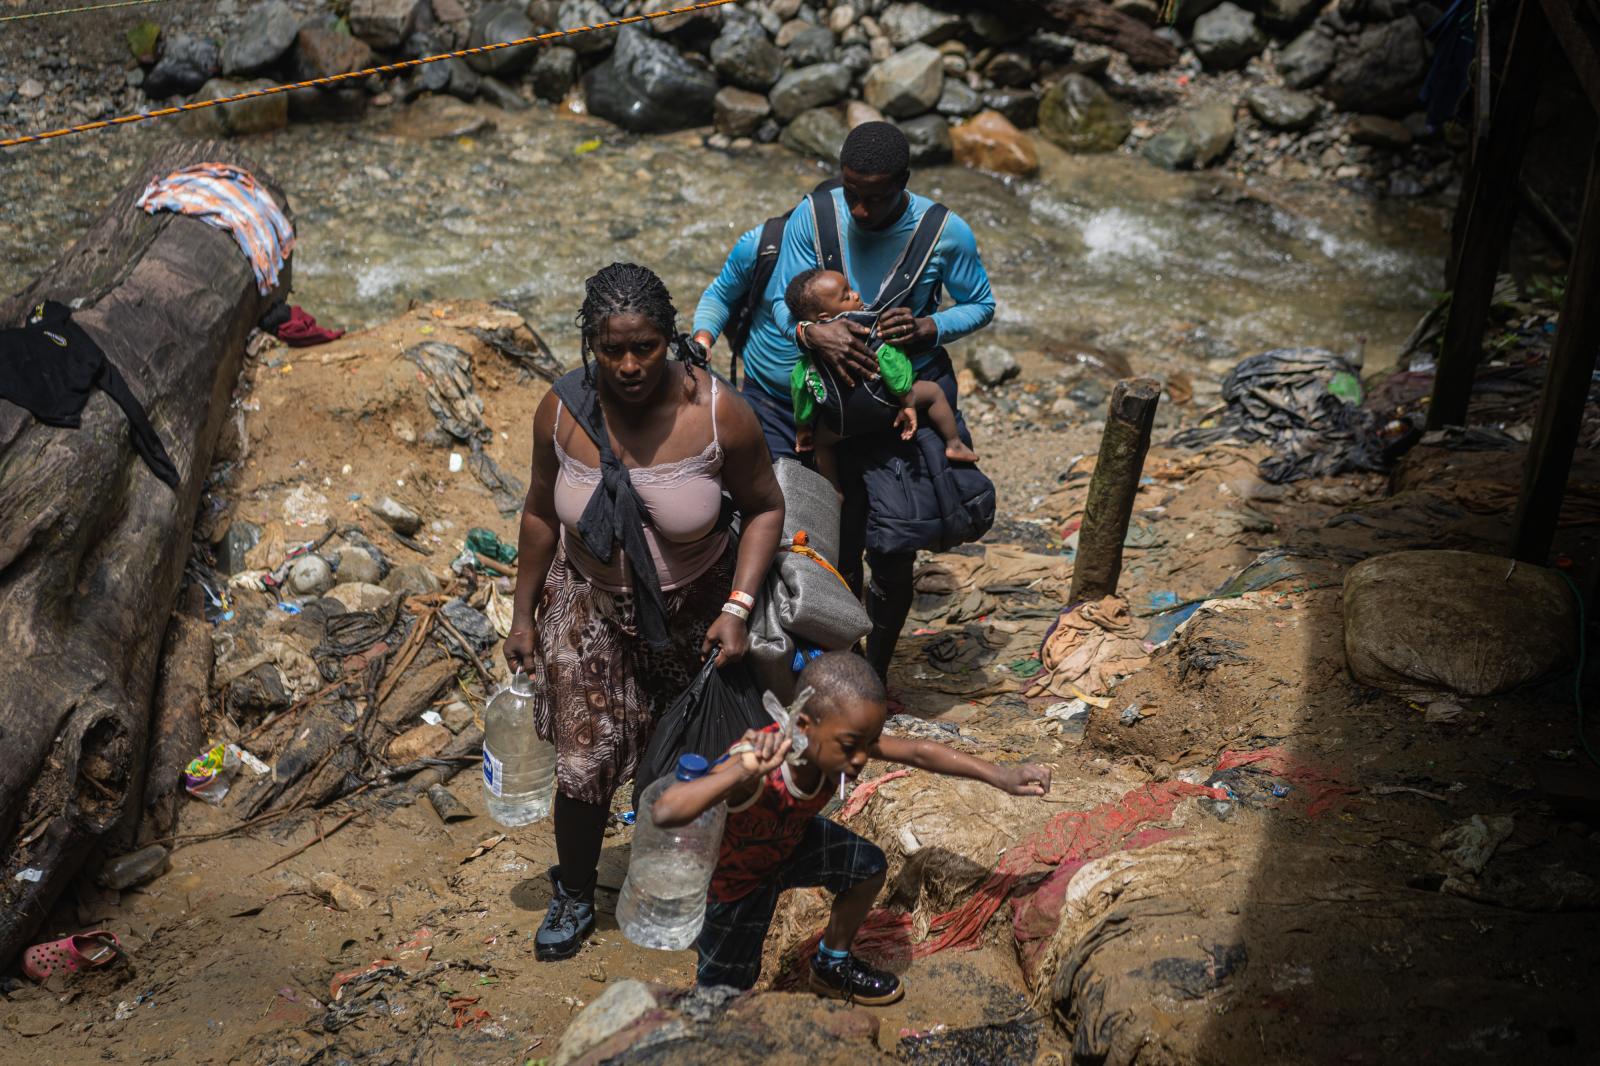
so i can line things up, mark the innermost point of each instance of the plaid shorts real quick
(829, 856)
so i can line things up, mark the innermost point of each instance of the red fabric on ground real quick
(1323, 789)
(302, 331)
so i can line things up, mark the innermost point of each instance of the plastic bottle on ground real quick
(519, 769)
(663, 901)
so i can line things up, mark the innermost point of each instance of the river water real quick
(1106, 252)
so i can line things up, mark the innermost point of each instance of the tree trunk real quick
(92, 545)
(1112, 489)
(177, 729)
(1100, 23)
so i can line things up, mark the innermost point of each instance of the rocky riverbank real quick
(1291, 89)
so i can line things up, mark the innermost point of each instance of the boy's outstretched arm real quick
(736, 779)
(1027, 779)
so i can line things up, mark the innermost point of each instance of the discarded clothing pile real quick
(228, 198)
(965, 585)
(1089, 648)
(296, 327)
(50, 366)
(1306, 402)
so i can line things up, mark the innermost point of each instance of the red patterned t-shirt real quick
(761, 835)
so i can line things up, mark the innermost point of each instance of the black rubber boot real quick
(854, 981)
(568, 921)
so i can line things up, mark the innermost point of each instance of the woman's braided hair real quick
(630, 289)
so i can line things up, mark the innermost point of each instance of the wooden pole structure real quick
(1484, 216)
(1566, 389)
(1112, 489)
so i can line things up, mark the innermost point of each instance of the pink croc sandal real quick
(71, 954)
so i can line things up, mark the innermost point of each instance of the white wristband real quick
(738, 610)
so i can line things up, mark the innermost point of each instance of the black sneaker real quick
(567, 923)
(854, 981)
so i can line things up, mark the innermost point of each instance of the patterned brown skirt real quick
(603, 688)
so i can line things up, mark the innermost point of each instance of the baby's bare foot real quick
(958, 452)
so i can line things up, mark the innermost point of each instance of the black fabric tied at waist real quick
(616, 514)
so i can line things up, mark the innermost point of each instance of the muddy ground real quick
(1306, 914)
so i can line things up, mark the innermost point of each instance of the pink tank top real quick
(684, 501)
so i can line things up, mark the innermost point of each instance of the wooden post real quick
(1566, 389)
(1113, 488)
(1484, 216)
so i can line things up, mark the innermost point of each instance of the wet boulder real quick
(929, 137)
(1281, 109)
(1306, 60)
(260, 39)
(910, 23)
(958, 99)
(1019, 106)
(819, 132)
(586, 13)
(907, 83)
(1379, 70)
(501, 95)
(800, 90)
(496, 24)
(1284, 17)
(1380, 132)
(259, 114)
(1010, 70)
(745, 57)
(1080, 116)
(555, 72)
(185, 65)
(383, 23)
(1197, 138)
(993, 365)
(814, 44)
(738, 112)
(646, 86)
(1227, 38)
(989, 142)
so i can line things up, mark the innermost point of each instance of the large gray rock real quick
(646, 86)
(739, 112)
(586, 13)
(357, 564)
(1306, 60)
(383, 23)
(1282, 109)
(1198, 138)
(503, 96)
(929, 137)
(1009, 69)
(412, 579)
(907, 83)
(1284, 17)
(1227, 38)
(619, 1006)
(958, 99)
(555, 72)
(260, 39)
(397, 516)
(495, 24)
(744, 56)
(918, 24)
(186, 63)
(259, 114)
(1080, 116)
(814, 44)
(993, 365)
(809, 87)
(819, 132)
(1379, 70)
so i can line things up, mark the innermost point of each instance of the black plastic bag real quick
(708, 719)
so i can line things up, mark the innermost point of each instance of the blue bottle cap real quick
(691, 767)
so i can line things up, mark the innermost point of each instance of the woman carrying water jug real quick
(627, 573)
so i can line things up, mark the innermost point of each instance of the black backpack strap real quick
(767, 249)
(826, 238)
(902, 280)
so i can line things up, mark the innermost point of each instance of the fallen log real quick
(1100, 23)
(176, 730)
(92, 545)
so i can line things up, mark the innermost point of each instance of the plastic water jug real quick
(519, 769)
(663, 901)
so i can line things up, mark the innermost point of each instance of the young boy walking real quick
(775, 838)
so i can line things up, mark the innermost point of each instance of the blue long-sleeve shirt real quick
(770, 353)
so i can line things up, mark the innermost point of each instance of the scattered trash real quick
(1089, 648)
(1470, 845)
(457, 462)
(485, 846)
(1131, 714)
(1443, 711)
(32, 874)
(446, 805)
(488, 544)
(71, 954)
(209, 775)
(341, 893)
(135, 868)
